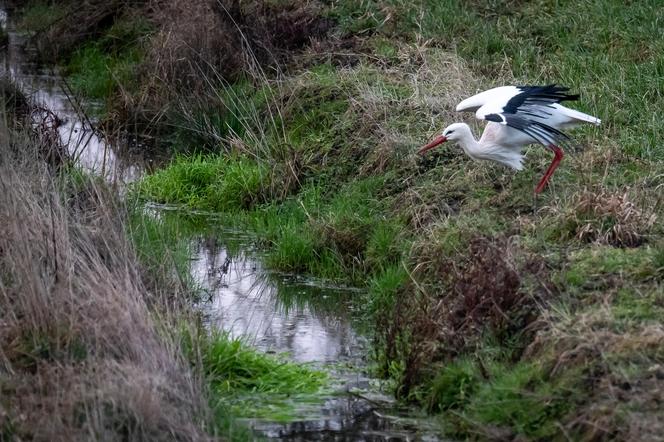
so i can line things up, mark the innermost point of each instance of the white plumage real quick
(517, 116)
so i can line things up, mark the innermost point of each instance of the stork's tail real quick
(580, 116)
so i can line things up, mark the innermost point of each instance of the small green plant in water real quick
(162, 247)
(251, 383)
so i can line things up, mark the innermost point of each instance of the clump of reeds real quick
(84, 348)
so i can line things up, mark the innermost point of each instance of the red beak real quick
(436, 141)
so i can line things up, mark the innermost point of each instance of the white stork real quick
(517, 116)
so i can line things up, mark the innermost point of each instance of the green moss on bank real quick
(215, 184)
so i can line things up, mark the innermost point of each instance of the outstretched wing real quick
(535, 100)
(542, 133)
(500, 95)
(528, 109)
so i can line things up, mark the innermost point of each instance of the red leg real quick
(558, 156)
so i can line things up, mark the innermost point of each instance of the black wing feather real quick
(540, 132)
(538, 96)
(532, 102)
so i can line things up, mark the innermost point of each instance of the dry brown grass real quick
(612, 218)
(620, 367)
(621, 218)
(198, 49)
(421, 89)
(193, 42)
(200, 42)
(82, 356)
(454, 299)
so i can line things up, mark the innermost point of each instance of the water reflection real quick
(346, 419)
(75, 131)
(313, 323)
(275, 313)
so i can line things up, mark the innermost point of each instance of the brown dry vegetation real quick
(493, 287)
(607, 217)
(621, 368)
(194, 47)
(85, 349)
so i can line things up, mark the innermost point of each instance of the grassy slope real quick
(505, 319)
(363, 206)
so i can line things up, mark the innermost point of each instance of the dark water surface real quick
(306, 319)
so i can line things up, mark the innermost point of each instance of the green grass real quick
(324, 236)
(162, 246)
(520, 397)
(501, 395)
(384, 288)
(633, 307)
(101, 67)
(209, 183)
(454, 386)
(230, 111)
(607, 50)
(96, 74)
(604, 48)
(233, 367)
(319, 116)
(339, 236)
(254, 385)
(592, 266)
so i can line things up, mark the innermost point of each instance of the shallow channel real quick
(310, 321)
(306, 320)
(75, 127)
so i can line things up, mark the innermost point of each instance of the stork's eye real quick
(449, 132)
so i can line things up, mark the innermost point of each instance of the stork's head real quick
(453, 132)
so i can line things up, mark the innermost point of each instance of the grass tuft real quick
(252, 384)
(208, 183)
(85, 346)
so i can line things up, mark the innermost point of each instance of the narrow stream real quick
(312, 322)
(49, 94)
(303, 318)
